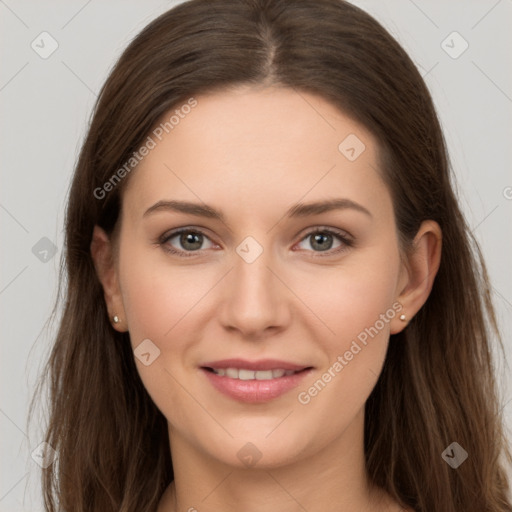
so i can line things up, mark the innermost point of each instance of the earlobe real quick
(102, 253)
(420, 269)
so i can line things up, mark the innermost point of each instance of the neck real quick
(334, 475)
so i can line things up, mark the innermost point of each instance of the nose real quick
(255, 302)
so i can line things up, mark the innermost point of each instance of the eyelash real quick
(345, 239)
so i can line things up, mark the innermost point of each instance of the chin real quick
(258, 452)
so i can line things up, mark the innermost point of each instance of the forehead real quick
(254, 148)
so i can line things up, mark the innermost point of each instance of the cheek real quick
(352, 297)
(156, 295)
(355, 303)
(162, 305)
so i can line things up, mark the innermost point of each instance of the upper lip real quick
(263, 364)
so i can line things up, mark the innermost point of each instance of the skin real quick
(254, 153)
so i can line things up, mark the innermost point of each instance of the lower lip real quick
(254, 391)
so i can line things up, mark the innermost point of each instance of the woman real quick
(273, 300)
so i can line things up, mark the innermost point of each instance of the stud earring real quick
(403, 318)
(116, 319)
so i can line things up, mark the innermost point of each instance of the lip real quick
(264, 364)
(255, 391)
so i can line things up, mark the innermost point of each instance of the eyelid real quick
(184, 229)
(328, 229)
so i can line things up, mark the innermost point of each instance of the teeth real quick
(263, 375)
(246, 374)
(232, 373)
(243, 374)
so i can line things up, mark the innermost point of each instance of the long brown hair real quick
(437, 385)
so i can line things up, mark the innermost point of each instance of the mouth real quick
(245, 374)
(253, 382)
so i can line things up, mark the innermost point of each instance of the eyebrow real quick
(298, 210)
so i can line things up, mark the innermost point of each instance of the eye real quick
(327, 241)
(185, 240)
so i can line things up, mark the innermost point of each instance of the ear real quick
(418, 273)
(102, 252)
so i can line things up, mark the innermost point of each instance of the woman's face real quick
(249, 280)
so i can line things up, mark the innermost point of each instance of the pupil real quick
(320, 239)
(191, 238)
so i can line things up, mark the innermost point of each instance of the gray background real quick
(45, 107)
